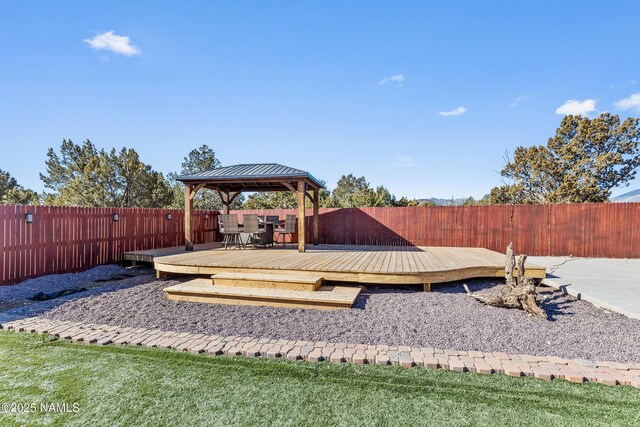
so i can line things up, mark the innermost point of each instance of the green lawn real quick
(140, 386)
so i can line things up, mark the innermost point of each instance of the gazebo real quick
(230, 181)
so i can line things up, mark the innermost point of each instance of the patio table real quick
(265, 238)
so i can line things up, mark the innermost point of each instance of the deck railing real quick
(68, 239)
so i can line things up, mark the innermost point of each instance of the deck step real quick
(325, 298)
(268, 281)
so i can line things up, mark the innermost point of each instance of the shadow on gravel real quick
(361, 301)
(115, 278)
(41, 296)
(439, 288)
(556, 306)
(475, 285)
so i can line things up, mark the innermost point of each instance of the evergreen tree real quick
(282, 200)
(200, 159)
(13, 194)
(82, 175)
(582, 163)
(352, 192)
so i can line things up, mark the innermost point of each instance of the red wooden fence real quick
(587, 230)
(70, 239)
(63, 239)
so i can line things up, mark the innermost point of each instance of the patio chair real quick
(289, 228)
(252, 228)
(230, 230)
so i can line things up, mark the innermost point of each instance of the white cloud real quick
(396, 78)
(630, 103)
(402, 162)
(114, 43)
(456, 112)
(518, 100)
(628, 83)
(577, 108)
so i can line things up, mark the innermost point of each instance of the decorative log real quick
(510, 263)
(494, 300)
(530, 305)
(520, 268)
(521, 292)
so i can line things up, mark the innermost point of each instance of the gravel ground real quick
(15, 301)
(444, 318)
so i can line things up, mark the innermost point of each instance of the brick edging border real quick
(541, 367)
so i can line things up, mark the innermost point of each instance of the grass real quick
(142, 386)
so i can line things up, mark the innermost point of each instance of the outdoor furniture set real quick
(255, 230)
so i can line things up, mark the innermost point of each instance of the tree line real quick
(82, 175)
(581, 163)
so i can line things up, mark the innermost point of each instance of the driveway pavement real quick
(613, 284)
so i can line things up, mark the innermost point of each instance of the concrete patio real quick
(613, 284)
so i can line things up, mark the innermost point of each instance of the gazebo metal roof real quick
(252, 177)
(230, 181)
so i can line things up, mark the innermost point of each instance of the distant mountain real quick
(443, 202)
(631, 196)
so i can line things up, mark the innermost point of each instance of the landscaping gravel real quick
(446, 318)
(58, 282)
(17, 300)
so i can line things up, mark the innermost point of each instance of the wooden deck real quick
(323, 298)
(149, 254)
(360, 264)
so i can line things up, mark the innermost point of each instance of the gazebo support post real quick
(188, 208)
(225, 203)
(227, 199)
(302, 191)
(316, 214)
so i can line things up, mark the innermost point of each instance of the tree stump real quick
(508, 270)
(521, 292)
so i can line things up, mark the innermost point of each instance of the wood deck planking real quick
(392, 262)
(364, 260)
(324, 298)
(149, 254)
(382, 265)
(364, 264)
(416, 261)
(272, 281)
(347, 261)
(421, 262)
(436, 261)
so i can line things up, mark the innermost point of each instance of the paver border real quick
(544, 368)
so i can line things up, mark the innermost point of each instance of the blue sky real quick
(423, 98)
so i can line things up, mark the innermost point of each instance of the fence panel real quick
(587, 230)
(69, 239)
(595, 230)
